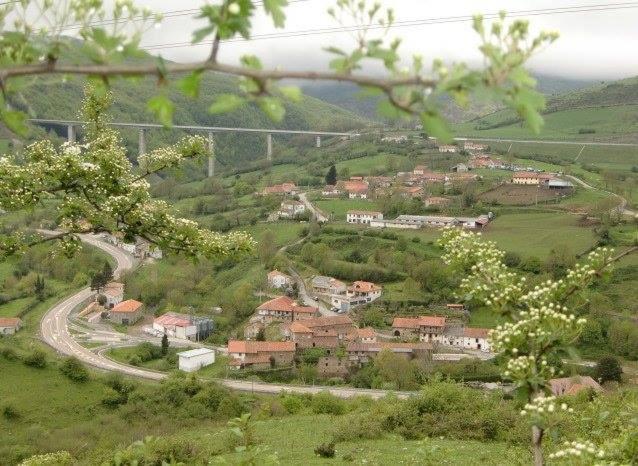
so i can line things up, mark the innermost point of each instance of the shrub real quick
(608, 369)
(58, 458)
(293, 403)
(325, 450)
(74, 370)
(37, 359)
(10, 412)
(326, 403)
(8, 353)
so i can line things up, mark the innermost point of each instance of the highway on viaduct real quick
(54, 330)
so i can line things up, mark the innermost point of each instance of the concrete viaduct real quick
(143, 128)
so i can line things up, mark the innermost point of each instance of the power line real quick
(165, 15)
(412, 23)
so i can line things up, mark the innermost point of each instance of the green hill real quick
(55, 100)
(605, 112)
(346, 95)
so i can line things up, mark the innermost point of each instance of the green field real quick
(370, 165)
(618, 123)
(339, 207)
(294, 443)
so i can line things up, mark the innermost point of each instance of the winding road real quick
(54, 330)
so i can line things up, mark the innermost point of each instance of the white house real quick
(176, 325)
(9, 325)
(193, 360)
(277, 279)
(363, 216)
(114, 294)
(448, 148)
(366, 291)
(471, 338)
(327, 285)
(291, 208)
(331, 191)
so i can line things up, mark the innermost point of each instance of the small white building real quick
(291, 208)
(277, 279)
(9, 325)
(363, 216)
(448, 148)
(193, 360)
(114, 294)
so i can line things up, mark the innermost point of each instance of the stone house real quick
(260, 354)
(127, 312)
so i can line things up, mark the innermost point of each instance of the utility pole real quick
(142, 142)
(269, 147)
(211, 155)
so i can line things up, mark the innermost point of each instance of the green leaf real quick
(291, 93)
(275, 9)
(386, 109)
(162, 108)
(272, 107)
(201, 34)
(189, 85)
(225, 103)
(251, 61)
(434, 125)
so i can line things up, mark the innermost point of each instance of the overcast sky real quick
(593, 45)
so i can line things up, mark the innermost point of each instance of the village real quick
(419, 184)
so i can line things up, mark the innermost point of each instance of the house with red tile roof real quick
(427, 328)
(531, 178)
(10, 325)
(364, 291)
(260, 354)
(127, 312)
(356, 188)
(284, 309)
(573, 385)
(284, 188)
(362, 353)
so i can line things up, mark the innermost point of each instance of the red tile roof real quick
(363, 287)
(327, 321)
(255, 347)
(416, 322)
(572, 385)
(171, 319)
(473, 332)
(355, 186)
(297, 327)
(10, 321)
(128, 306)
(282, 303)
(367, 332)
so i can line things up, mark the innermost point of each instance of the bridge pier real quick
(142, 142)
(318, 141)
(70, 133)
(211, 155)
(269, 146)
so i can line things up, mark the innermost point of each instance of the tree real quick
(331, 176)
(165, 345)
(540, 326)
(100, 191)
(608, 368)
(39, 288)
(267, 248)
(107, 273)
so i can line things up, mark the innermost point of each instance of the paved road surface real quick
(622, 207)
(55, 332)
(321, 218)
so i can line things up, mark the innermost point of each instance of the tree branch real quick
(46, 68)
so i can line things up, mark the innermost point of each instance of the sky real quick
(596, 45)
